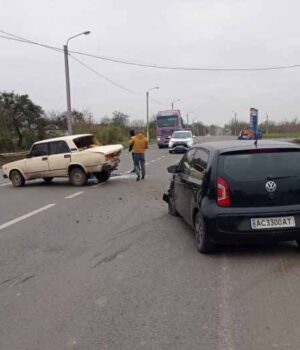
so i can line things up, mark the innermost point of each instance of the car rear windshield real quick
(85, 142)
(181, 135)
(260, 164)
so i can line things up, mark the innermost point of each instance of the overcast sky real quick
(208, 33)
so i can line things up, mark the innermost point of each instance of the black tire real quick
(78, 177)
(171, 204)
(17, 178)
(298, 243)
(48, 180)
(103, 176)
(170, 151)
(203, 244)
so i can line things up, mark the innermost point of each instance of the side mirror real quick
(173, 169)
(27, 155)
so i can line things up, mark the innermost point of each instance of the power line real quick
(27, 41)
(104, 77)
(155, 65)
(110, 80)
(21, 39)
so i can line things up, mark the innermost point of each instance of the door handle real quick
(67, 156)
(45, 158)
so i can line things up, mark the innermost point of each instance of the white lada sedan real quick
(77, 157)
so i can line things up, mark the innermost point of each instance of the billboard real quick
(254, 119)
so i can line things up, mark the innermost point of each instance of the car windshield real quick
(182, 135)
(262, 165)
(166, 121)
(85, 142)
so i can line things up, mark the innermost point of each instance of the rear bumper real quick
(234, 226)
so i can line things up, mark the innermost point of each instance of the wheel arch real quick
(77, 165)
(16, 169)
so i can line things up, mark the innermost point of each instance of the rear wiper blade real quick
(281, 177)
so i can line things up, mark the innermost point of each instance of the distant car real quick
(181, 141)
(249, 134)
(233, 192)
(77, 157)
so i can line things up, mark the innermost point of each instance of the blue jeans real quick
(139, 163)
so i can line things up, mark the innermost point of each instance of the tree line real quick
(288, 127)
(22, 122)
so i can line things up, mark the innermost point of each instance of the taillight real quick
(223, 193)
(108, 156)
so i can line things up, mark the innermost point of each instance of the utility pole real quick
(267, 124)
(69, 108)
(147, 109)
(147, 121)
(187, 118)
(235, 123)
(67, 74)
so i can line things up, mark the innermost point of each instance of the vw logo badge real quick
(271, 186)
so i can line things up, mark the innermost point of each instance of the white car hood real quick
(105, 149)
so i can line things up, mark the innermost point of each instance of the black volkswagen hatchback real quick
(235, 191)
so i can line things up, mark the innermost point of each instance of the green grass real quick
(285, 135)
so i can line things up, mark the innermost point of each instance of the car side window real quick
(39, 150)
(59, 147)
(185, 165)
(199, 163)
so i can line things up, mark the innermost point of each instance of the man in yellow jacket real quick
(139, 144)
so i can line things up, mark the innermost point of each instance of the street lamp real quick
(172, 104)
(69, 108)
(235, 130)
(147, 105)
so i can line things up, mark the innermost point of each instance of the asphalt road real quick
(106, 267)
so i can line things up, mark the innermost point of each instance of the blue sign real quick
(254, 119)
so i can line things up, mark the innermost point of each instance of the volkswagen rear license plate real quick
(267, 223)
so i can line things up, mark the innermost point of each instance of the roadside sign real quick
(254, 119)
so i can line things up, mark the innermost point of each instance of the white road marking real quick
(74, 195)
(226, 336)
(98, 185)
(122, 176)
(26, 216)
(6, 184)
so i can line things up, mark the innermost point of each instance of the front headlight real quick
(158, 138)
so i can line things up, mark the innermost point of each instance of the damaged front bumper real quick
(166, 197)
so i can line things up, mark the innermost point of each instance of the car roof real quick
(242, 145)
(63, 138)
